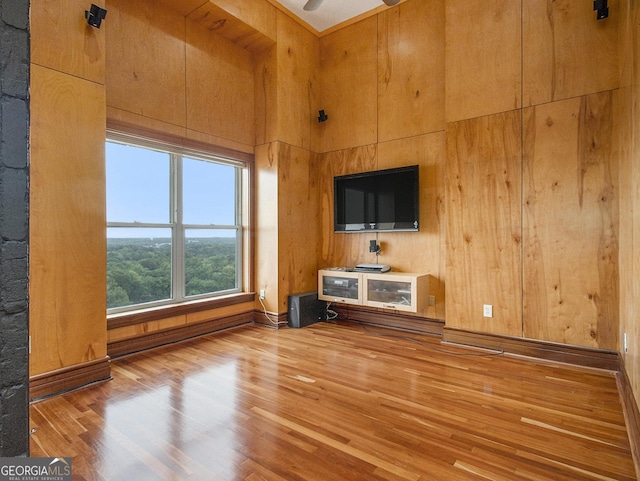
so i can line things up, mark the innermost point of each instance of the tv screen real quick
(381, 200)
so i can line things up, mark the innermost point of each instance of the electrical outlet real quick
(487, 310)
(262, 292)
(432, 300)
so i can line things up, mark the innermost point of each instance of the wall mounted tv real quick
(378, 201)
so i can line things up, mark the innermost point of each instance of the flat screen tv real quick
(379, 201)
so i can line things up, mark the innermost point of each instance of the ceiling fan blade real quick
(391, 3)
(312, 5)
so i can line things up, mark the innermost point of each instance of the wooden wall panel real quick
(348, 79)
(266, 96)
(287, 232)
(183, 7)
(566, 51)
(298, 86)
(623, 125)
(423, 251)
(483, 212)
(125, 117)
(266, 215)
(227, 26)
(259, 14)
(146, 60)
(629, 42)
(298, 226)
(250, 24)
(627, 128)
(130, 332)
(202, 137)
(62, 40)
(67, 219)
(482, 58)
(128, 122)
(173, 322)
(626, 124)
(219, 81)
(206, 83)
(571, 223)
(220, 312)
(411, 70)
(343, 249)
(632, 323)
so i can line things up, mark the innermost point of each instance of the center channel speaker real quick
(305, 309)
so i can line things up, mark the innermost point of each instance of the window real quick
(174, 227)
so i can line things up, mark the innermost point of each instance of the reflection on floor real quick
(337, 402)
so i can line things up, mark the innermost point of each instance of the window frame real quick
(177, 151)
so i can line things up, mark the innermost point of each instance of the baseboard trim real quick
(279, 320)
(392, 320)
(631, 413)
(151, 340)
(549, 351)
(69, 378)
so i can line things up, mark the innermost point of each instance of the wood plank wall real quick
(287, 233)
(297, 69)
(528, 183)
(563, 186)
(627, 127)
(571, 222)
(67, 245)
(156, 53)
(565, 52)
(484, 223)
(482, 58)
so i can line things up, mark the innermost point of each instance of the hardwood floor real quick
(337, 402)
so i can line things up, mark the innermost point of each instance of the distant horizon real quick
(162, 233)
(168, 238)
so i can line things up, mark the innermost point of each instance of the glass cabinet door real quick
(391, 293)
(342, 287)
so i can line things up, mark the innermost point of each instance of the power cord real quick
(330, 314)
(266, 314)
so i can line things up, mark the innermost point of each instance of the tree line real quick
(139, 270)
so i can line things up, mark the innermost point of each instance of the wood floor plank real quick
(337, 401)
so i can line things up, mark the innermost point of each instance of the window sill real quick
(130, 318)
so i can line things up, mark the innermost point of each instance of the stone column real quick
(14, 228)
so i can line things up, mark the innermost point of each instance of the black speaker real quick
(305, 309)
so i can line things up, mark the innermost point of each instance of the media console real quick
(400, 291)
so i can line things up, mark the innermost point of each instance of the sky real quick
(138, 190)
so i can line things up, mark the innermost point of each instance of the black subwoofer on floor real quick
(305, 309)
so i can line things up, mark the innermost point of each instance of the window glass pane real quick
(210, 261)
(208, 192)
(138, 188)
(146, 264)
(138, 265)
